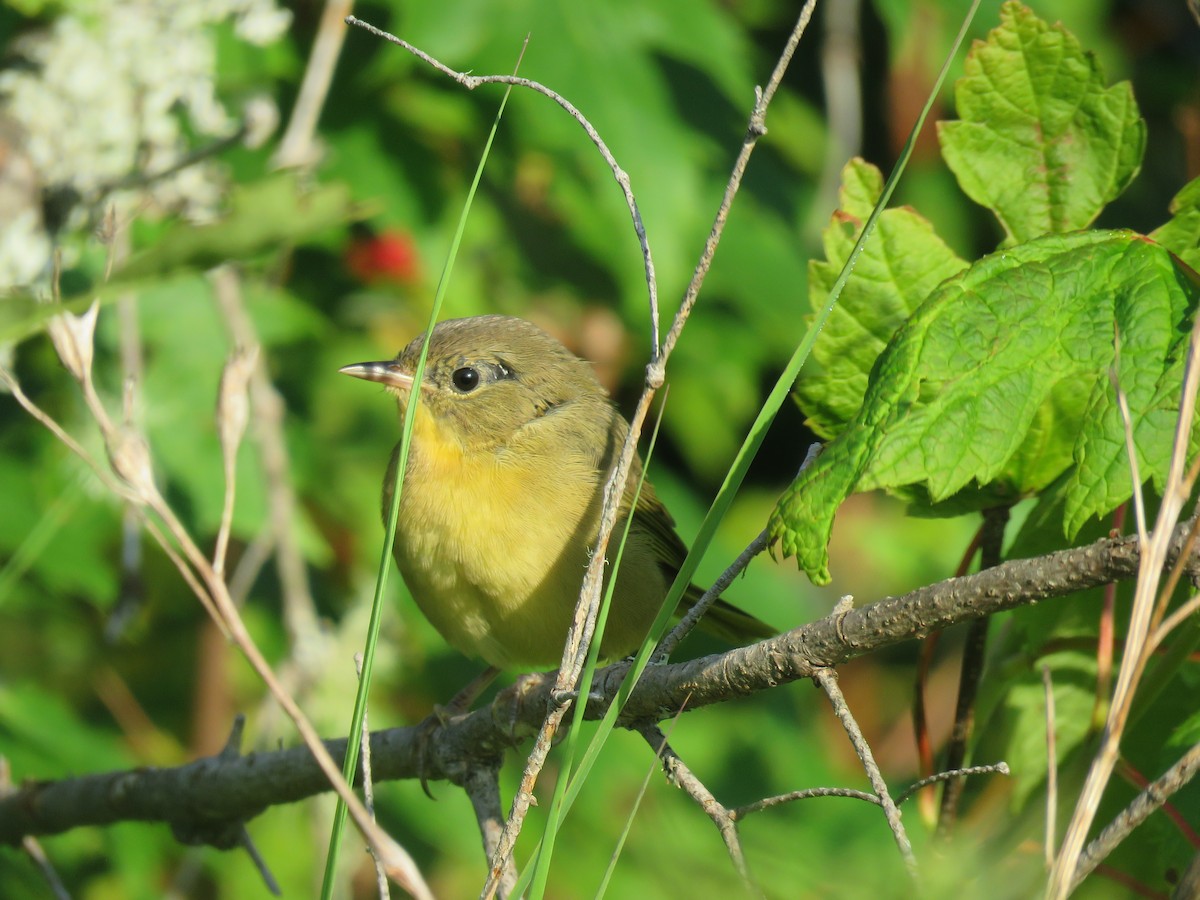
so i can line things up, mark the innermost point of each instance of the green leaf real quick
(897, 270)
(1041, 142)
(1181, 234)
(1001, 379)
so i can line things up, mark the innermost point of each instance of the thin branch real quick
(1051, 837)
(297, 147)
(991, 541)
(31, 845)
(810, 793)
(1160, 626)
(1149, 800)
(471, 82)
(47, 421)
(1000, 768)
(685, 625)
(1188, 886)
(368, 787)
(1132, 776)
(681, 776)
(756, 128)
(1186, 611)
(260, 864)
(827, 679)
(482, 786)
(34, 851)
(299, 609)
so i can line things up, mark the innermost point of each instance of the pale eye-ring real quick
(465, 379)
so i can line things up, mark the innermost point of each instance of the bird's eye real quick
(465, 379)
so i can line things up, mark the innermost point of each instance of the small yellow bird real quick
(513, 442)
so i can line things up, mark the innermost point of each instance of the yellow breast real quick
(493, 546)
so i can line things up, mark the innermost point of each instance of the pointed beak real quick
(386, 372)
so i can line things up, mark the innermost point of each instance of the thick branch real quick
(205, 798)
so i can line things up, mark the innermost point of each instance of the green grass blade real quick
(354, 738)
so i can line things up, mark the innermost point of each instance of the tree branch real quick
(206, 797)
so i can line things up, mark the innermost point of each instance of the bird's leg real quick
(459, 704)
(465, 699)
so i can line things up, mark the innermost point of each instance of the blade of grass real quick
(554, 815)
(354, 738)
(754, 439)
(40, 536)
(633, 810)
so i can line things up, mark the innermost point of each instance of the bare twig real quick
(296, 149)
(1051, 838)
(681, 776)
(299, 608)
(249, 565)
(827, 679)
(1152, 798)
(471, 82)
(47, 421)
(1000, 768)
(260, 864)
(685, 625)
(482, 785)
(368, 787)
(1160, 626)
(1186, 611)
(1188, 886)
(808, 794)
(991, 541)
(33, 849)
(233, 412)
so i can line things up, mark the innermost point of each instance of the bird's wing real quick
(722, 620)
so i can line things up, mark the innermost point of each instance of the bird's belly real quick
(495, 564)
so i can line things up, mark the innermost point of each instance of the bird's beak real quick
(386, 372)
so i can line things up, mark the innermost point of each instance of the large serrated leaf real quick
(1000, 383)
(1041, 141)
(901, 265)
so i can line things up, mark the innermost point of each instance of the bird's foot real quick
(460, 703)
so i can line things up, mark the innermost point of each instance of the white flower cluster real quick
(99, 98)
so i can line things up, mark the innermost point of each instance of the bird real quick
(513, 442)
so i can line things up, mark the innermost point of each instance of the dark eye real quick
(465, 379)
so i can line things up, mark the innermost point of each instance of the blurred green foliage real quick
(341, 266)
